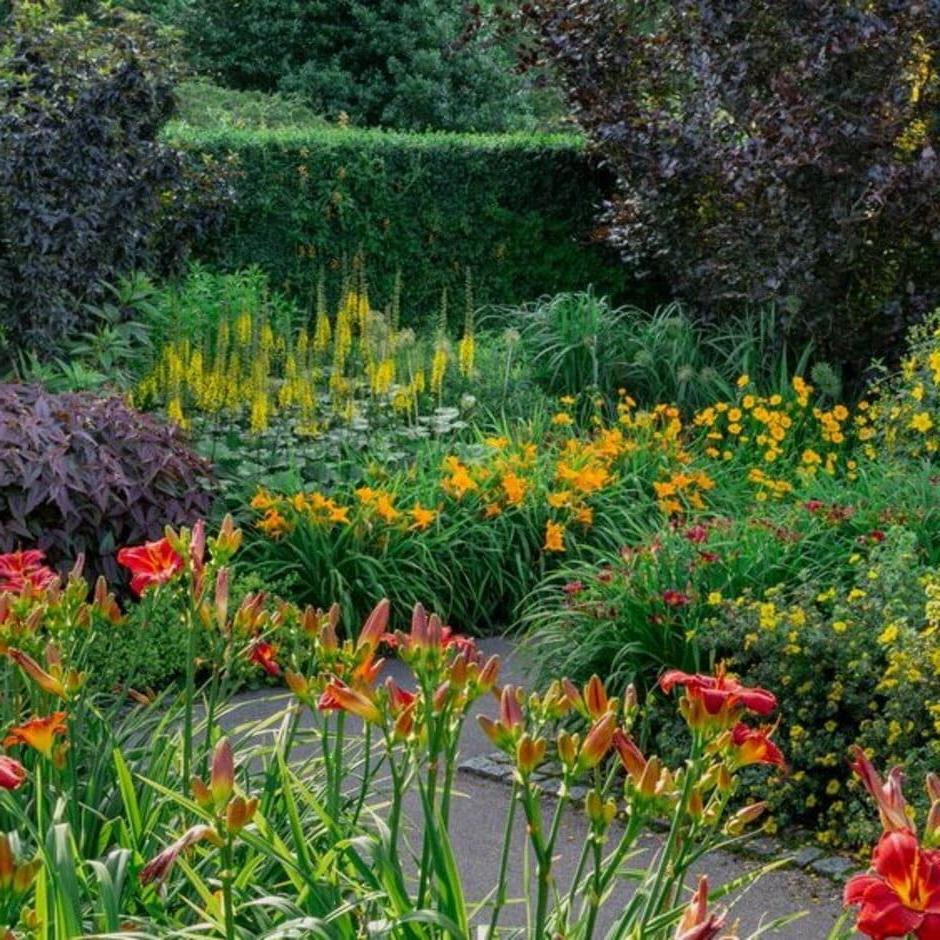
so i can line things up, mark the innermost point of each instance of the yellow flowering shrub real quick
(860, 663)
(905, 409)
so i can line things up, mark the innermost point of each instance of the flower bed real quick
(185, 838)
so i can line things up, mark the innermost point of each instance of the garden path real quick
(478, 819)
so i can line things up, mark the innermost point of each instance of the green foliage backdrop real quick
(518, 210)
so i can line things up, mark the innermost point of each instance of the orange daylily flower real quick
(338, 696)
(38, 733)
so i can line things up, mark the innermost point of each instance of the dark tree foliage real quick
(81, 474)
(382, 62)
(87, 189)
(767, 151)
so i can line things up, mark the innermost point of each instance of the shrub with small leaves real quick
(81, 474)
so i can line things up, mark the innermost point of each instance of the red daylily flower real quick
(697, 534)
(24, 572)
(719, 698)
(673, 598)
(150, 564)
(901, 894)
(12, 773)
(754, 746)
(263, 654)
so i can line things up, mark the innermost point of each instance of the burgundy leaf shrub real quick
(80, 473)
(780, 151)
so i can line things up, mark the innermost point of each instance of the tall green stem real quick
(228, 905)
(500, 899)
(188, 700)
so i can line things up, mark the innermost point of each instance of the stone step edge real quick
(811, 858)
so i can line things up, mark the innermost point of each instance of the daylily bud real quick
(630, 755)
(439, 701)
(7, 866)
(573, 695)
(630, 703)
(459, 672)
(696, 805)
(933, 787)
(435, 631)
(221, 597)
(229, 539)
(419, 626)
(529, 753)
(600, 812)
(744, 817)
(510, 711)
(493, 730)
(375, 625)
(489, 674)
(648, 783)
(567, 749)
(222, 779)
(297, 683)
(197, 544)
(239, 813)
(201, 793)
(725, 780)
(43, 679)
(597, 742)
(404, 724)
(595, 698)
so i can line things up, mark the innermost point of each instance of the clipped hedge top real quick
(293, 137)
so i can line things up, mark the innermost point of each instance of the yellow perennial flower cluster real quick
(332, 370)
(906, 413)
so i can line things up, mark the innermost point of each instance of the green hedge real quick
(519, 210)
